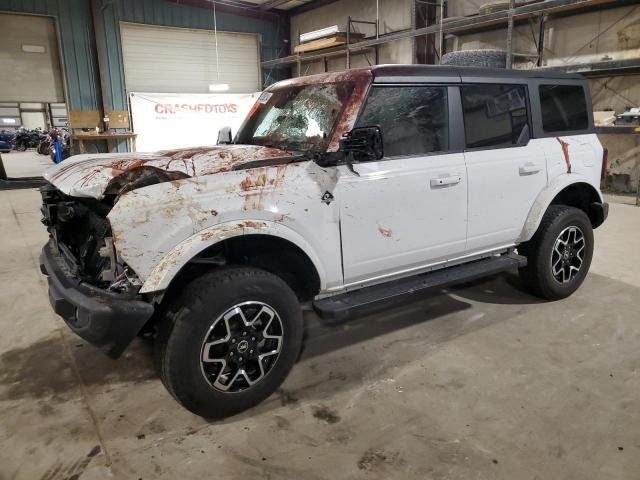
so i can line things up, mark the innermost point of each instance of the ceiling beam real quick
(270, 4)
(245, 9)
(312, 5)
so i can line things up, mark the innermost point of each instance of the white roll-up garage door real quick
(29, 63)
(182, 60)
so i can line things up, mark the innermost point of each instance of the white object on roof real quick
(322, 33)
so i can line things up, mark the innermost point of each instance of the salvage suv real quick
(352, 191)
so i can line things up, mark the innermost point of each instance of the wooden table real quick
(110, 137)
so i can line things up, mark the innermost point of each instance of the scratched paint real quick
(151, 223)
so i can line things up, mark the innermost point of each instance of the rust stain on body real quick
(385, 232)
(259, 183)
(565, 153)
(252, 224)
(281, 218)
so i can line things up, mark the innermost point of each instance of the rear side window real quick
(494, 115)
(564, 108)
(413, 120)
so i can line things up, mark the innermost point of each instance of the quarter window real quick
(494, 115)
(564, 108)
(413, 120)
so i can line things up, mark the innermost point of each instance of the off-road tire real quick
(538, 276)
(188, 318)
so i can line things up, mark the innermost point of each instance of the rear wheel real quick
(43, 148)
(559, 254)
(229, 340)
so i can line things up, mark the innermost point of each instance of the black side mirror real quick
(362, 144)
(224, 136)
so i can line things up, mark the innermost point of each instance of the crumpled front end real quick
(94, 292)
(80, 231)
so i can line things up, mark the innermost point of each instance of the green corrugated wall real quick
(77, 39)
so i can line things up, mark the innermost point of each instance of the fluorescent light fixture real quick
(33, 48)
(218, 87)
(10, 121)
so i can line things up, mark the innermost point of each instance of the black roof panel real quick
(456, 74)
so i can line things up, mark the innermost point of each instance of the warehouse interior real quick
(478, 380)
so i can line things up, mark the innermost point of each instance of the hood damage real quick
(111, 175)
(98, 176)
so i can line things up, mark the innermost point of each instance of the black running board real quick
(378, 297)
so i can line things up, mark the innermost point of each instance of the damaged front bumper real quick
(108, 320)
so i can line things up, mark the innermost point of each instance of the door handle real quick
(447, 180)
(529, 169)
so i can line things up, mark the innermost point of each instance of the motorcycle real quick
(59, 145)
(44, 147)
(24, 139)
(6, 141)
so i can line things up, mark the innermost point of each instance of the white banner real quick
(172, 120)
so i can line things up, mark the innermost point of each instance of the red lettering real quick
(168, 108)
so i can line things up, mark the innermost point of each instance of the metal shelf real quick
(619, 130)
(465, 25)
(601, 69)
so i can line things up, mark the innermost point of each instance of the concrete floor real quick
(485, 382)
(25, 164)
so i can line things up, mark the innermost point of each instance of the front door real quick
(409, 209)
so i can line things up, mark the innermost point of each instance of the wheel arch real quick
(580, 194)
(267, 245)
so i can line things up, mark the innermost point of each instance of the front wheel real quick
(559, 254)
(229, 340)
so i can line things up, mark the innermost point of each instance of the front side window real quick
(413, 120)
(564, 108)
(494, 115)
(296, 118)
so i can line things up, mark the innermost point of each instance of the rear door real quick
(408, 209)
(566, 129)
(506, 170)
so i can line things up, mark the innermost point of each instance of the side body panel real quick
(158, 229)
(583, 154)
(395, 217)
(390, 221)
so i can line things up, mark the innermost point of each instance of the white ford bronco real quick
(351, 191)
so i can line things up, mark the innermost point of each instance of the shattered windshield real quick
(296, 118)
